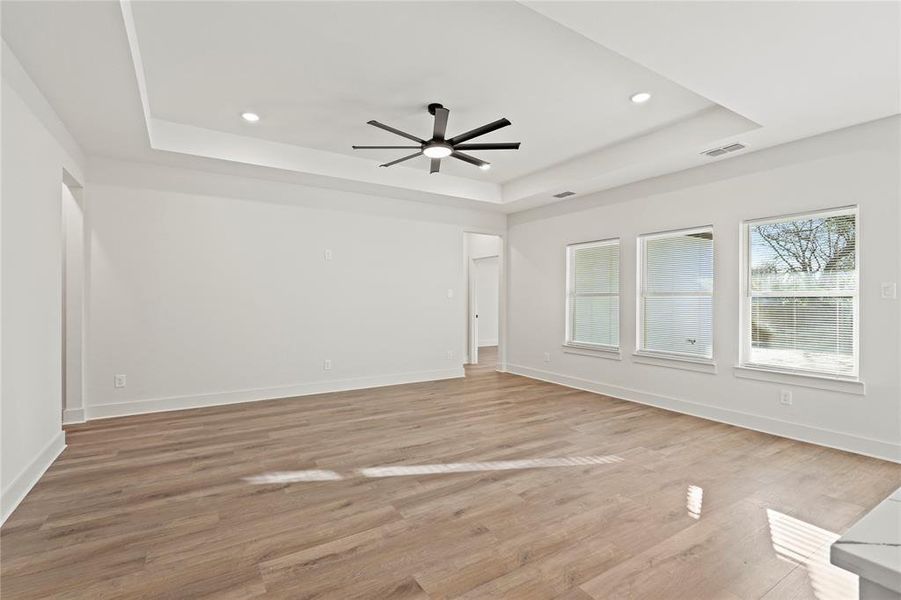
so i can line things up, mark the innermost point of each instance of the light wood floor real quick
(216, 502)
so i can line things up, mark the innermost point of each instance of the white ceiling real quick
(823, 64)
(165, 82)
(77, 54)
(318, 71)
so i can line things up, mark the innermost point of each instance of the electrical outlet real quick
(450, 293)
(327, 254)
(889, 290)
(547, 357)
(119, 381)
(785, 398)
(450, 355)
(327, 365)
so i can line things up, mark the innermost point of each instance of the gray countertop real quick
(872, 547)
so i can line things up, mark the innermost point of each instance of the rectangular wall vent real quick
(713, 152)
(564, 194)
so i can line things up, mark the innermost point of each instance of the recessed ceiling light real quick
(640, 97)
(250, 117)
(438, 150)
(485, 166)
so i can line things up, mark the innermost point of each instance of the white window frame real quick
(641, 351)
(570, 271)
(744, 362)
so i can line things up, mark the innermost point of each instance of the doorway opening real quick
(484, 322)
(72, 299)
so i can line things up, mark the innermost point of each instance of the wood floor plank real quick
(439, 490)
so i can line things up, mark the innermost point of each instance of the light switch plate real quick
(889, 290)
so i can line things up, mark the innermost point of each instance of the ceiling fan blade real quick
(495, 146)
(435, 166)
(384, 147)
(479, 131)
(441, 115)
(400, 160)
(470, 159)
(395, 131)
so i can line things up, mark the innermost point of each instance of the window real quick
(801, 293)
(676, 294)
(592, 295)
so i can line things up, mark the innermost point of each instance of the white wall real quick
(487, 274)
(73, 302)
(860, 165)
(35, 150)
(209, 288)
(482, 245)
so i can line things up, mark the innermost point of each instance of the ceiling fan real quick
(439, 147)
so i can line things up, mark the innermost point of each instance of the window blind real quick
(593, 294)
(802, 293)
(676, 299)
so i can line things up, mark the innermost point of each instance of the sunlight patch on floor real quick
(276, 477)
(500, 465)
(694, 499)
(294, 476)
(808, 546)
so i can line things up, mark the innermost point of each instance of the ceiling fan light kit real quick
(438, 150)
(438, 147)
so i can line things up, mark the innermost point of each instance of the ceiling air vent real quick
(564, 194)
(723, 150)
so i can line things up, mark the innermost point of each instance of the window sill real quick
(811, 380)
(609, 354)
(698, 365)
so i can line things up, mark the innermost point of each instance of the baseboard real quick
(73, 415)
(153, 405)
(805, 433)
(16, 491)
(487, 343)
